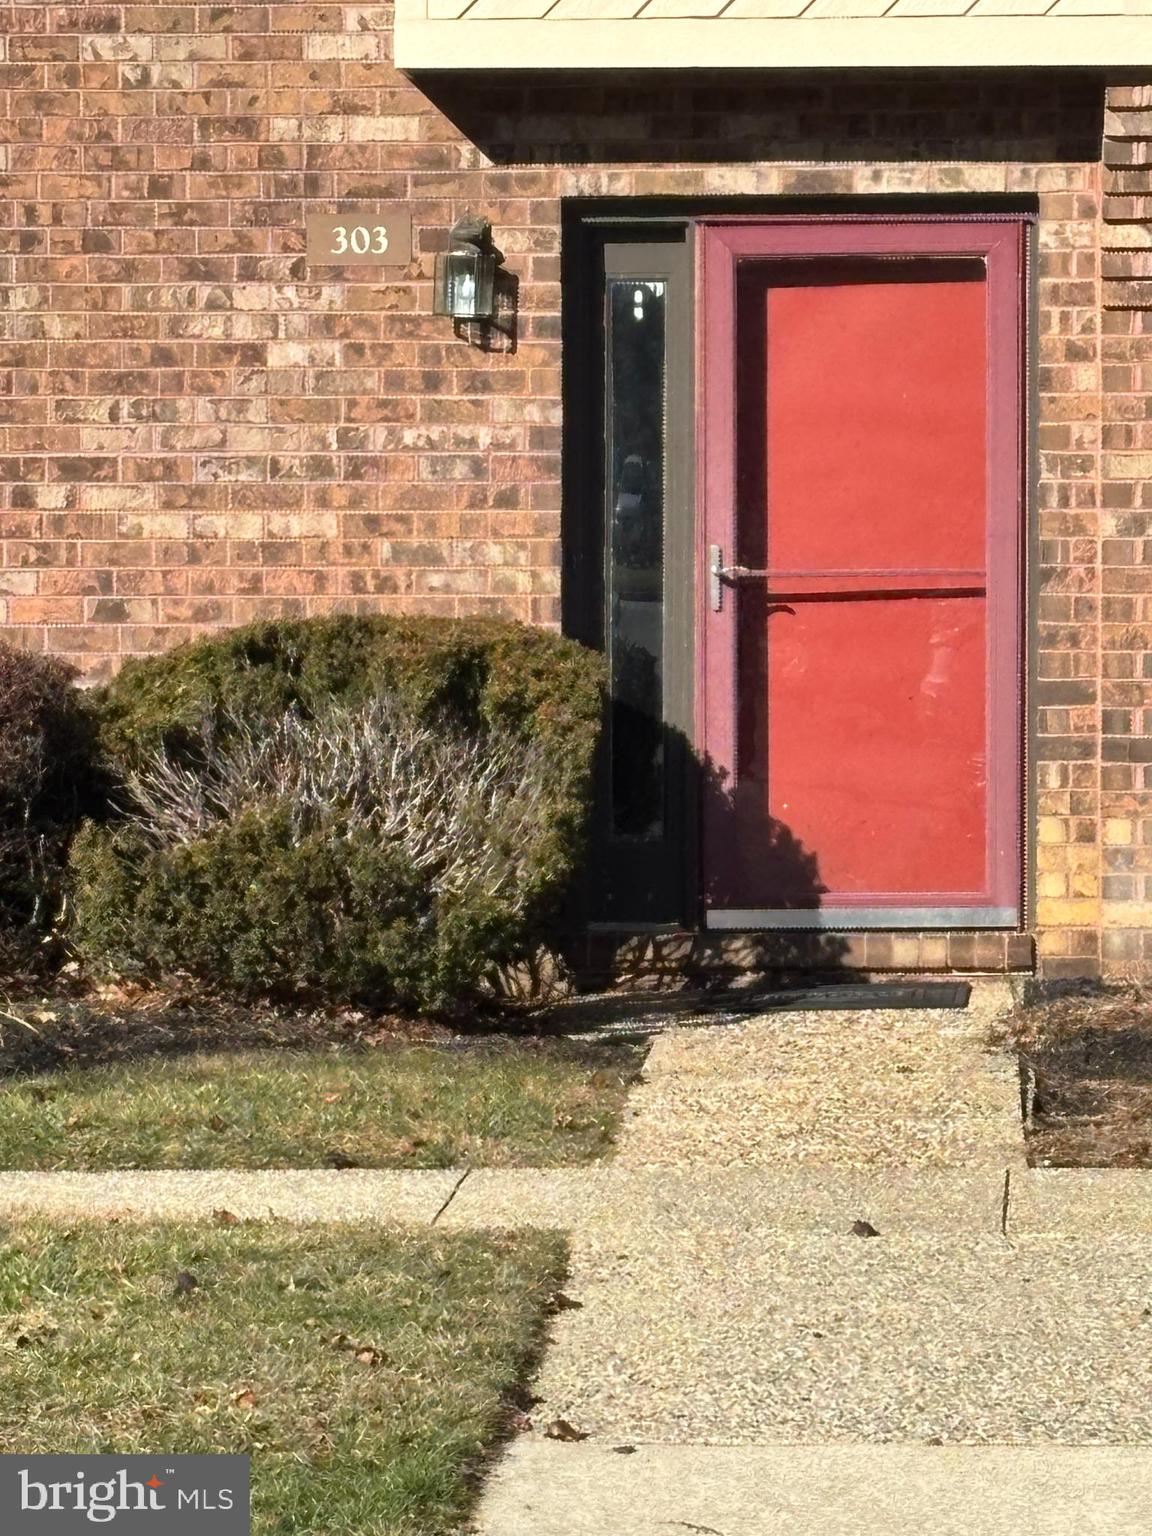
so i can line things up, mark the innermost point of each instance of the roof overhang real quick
(468, 35)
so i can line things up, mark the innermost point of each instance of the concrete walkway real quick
(723, 1336)
(742, 1362)
(887, 1088)
(599, 1203)
(320, 1194)
(891, 1490)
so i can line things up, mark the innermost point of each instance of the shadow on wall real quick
(752, 859)
(746, 858)
(738, 116)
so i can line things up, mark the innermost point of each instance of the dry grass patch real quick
(368, 1373)
(440, 1104)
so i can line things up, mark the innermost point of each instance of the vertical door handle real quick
(715, 577)
(719, 573)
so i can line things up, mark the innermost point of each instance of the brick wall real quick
(197, 430)
(1126, 532)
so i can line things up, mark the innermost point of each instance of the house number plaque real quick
(380, 237)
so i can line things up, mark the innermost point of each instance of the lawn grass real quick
(367, 1372)
(519, 1102)
(1087, 1063)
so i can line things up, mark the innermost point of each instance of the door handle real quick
(719, 573)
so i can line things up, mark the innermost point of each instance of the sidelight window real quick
(635, 394)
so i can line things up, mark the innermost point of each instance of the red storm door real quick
(859, 635)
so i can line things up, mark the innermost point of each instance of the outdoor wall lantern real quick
(465, 284)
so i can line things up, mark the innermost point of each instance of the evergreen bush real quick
(47, 780)
(351, 808)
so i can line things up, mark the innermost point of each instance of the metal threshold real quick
(856, 919)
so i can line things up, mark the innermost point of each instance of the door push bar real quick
(796, 586)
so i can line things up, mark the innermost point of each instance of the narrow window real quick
(635, 485)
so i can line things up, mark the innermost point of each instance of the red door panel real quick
(860, 667)
(877, 756)
(875, 417)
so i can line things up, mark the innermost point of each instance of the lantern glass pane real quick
(465, 285)
(446, 282)
(485, 287)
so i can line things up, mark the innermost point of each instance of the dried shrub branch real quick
(461, 807)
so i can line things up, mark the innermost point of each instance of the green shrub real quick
(482, 671)
(47, 779)
(264, 846)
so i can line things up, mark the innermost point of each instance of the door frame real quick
(588, 221)
(1001, 241)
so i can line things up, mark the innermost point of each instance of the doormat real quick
(913, 994)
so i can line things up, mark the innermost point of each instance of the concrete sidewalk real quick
(606, 1200)
(729, 1336)
(319, 1194)
(543, 1489)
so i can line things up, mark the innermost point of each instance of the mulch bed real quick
(1086, 1061)
(68, 1021)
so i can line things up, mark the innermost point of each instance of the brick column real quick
(1126, 532)
(1065, 753)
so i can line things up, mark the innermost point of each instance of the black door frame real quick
(633, 884)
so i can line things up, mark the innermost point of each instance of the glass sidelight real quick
(628, 528)
(635, 392)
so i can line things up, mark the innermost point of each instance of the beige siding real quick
(590, 34)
